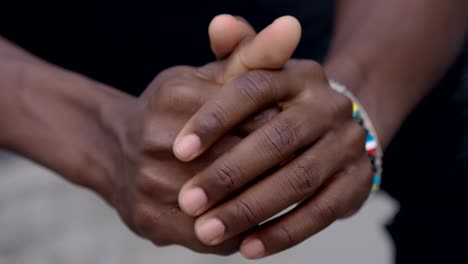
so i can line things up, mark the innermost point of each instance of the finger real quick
(185, 236)
(226, 33)
(260, 151)
(181, 99)
(155, 182)
(272, 48)
(184, 94)
(237, 101)
(253, 55)
(229, 34)
(346, 192)
(243, 97)
(224, 145)
(191, 241)
(293, 183)
(257, 121)
(169, 226)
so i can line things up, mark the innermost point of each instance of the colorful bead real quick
(371, 146)
(374, 151)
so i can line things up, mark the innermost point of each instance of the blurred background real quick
(45, 220)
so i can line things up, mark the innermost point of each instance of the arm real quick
(112, 143)
(104, 140)
(57, 118)
(391, 54)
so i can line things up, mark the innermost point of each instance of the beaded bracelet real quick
(374, 151)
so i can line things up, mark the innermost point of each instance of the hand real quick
(148, 177)
(314, 139)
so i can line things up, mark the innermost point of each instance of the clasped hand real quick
(207, 155)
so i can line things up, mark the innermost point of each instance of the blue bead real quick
(377, 179)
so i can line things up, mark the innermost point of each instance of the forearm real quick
(55, 117)
(391, 54)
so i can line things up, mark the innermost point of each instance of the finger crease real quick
(248, 212)
(288, 234)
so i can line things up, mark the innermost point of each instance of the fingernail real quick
(210, 231)
(187, 147)
(252, 248)
(193, 201)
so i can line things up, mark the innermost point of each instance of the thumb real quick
(227, 32)
(272, 48)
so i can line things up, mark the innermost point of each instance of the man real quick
(121, 146)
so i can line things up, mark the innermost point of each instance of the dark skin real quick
(387, 67)
(115, 144)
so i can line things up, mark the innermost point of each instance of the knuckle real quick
(171, 73)
(214, 119)
(287, 235)
(145, 181)
(313, 71)
(177, 96)
(181, 95)
(245, 210)
(147, 224)
(255, 86)
(313, 66)
(143, 221)
(326, 211)
(341, 106)
(150, 183)
(228, 175)
(304, 179)
(357, 139)
(281, 136)
(152, 140)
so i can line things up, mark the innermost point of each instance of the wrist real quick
(368, 87)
